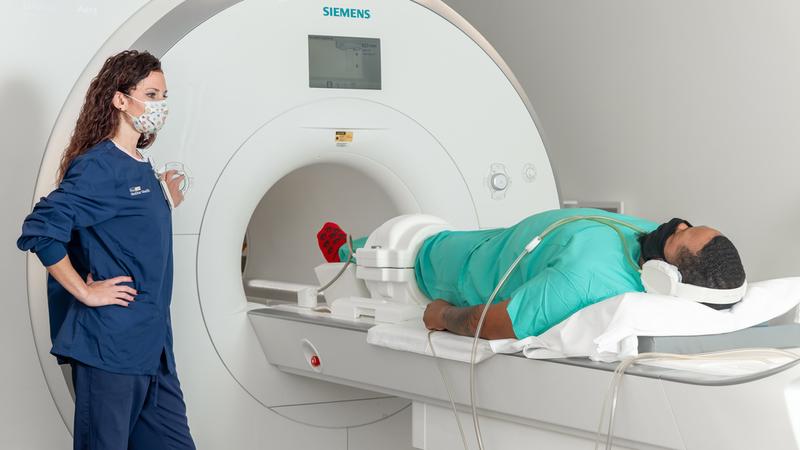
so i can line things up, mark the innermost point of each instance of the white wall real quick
(36, 37)
(678, 108)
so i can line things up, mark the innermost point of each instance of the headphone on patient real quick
(661, 277)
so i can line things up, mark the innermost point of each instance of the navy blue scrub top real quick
(110, 215)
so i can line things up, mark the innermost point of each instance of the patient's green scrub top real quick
(576, 265)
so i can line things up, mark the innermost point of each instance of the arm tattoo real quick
(462, 321)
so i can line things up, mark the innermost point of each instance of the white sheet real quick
(609, 330)
(412, 336)
(606, 331)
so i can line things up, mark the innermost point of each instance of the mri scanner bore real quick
(338, 132)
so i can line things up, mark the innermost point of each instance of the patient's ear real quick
(674, 258)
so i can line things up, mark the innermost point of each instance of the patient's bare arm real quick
(440, 315)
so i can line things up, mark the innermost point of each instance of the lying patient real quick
(576, 265)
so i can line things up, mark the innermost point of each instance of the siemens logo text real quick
(353, 13)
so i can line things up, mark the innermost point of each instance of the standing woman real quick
(105, 236)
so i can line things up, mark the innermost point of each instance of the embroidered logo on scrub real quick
(137, 190)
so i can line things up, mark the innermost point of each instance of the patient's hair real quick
(715, 266)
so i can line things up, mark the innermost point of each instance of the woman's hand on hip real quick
(108, 292)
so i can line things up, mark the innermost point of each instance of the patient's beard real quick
(652, 244)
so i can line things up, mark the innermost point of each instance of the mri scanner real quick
(292, 113)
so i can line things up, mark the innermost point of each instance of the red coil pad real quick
(330, 238)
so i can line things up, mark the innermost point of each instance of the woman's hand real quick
(434, 315)
(108, 292)
(173, 184)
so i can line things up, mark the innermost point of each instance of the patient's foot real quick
(330, 238)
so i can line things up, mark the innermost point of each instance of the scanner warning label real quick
(344, 137)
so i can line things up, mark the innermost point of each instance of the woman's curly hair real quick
(99, 119)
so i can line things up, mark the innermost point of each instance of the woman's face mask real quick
(653, 243)
(153, 117)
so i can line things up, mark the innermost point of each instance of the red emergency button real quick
(315, 361)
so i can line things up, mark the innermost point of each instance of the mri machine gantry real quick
(448, 132)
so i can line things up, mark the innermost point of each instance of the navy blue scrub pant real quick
(134, 412)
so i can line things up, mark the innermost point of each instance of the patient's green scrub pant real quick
(134, 412)
(576, 265)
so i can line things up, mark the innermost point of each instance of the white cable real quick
(526, 250)
(449, 390)
(619, 372)
(473, 355)
(341, 272)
